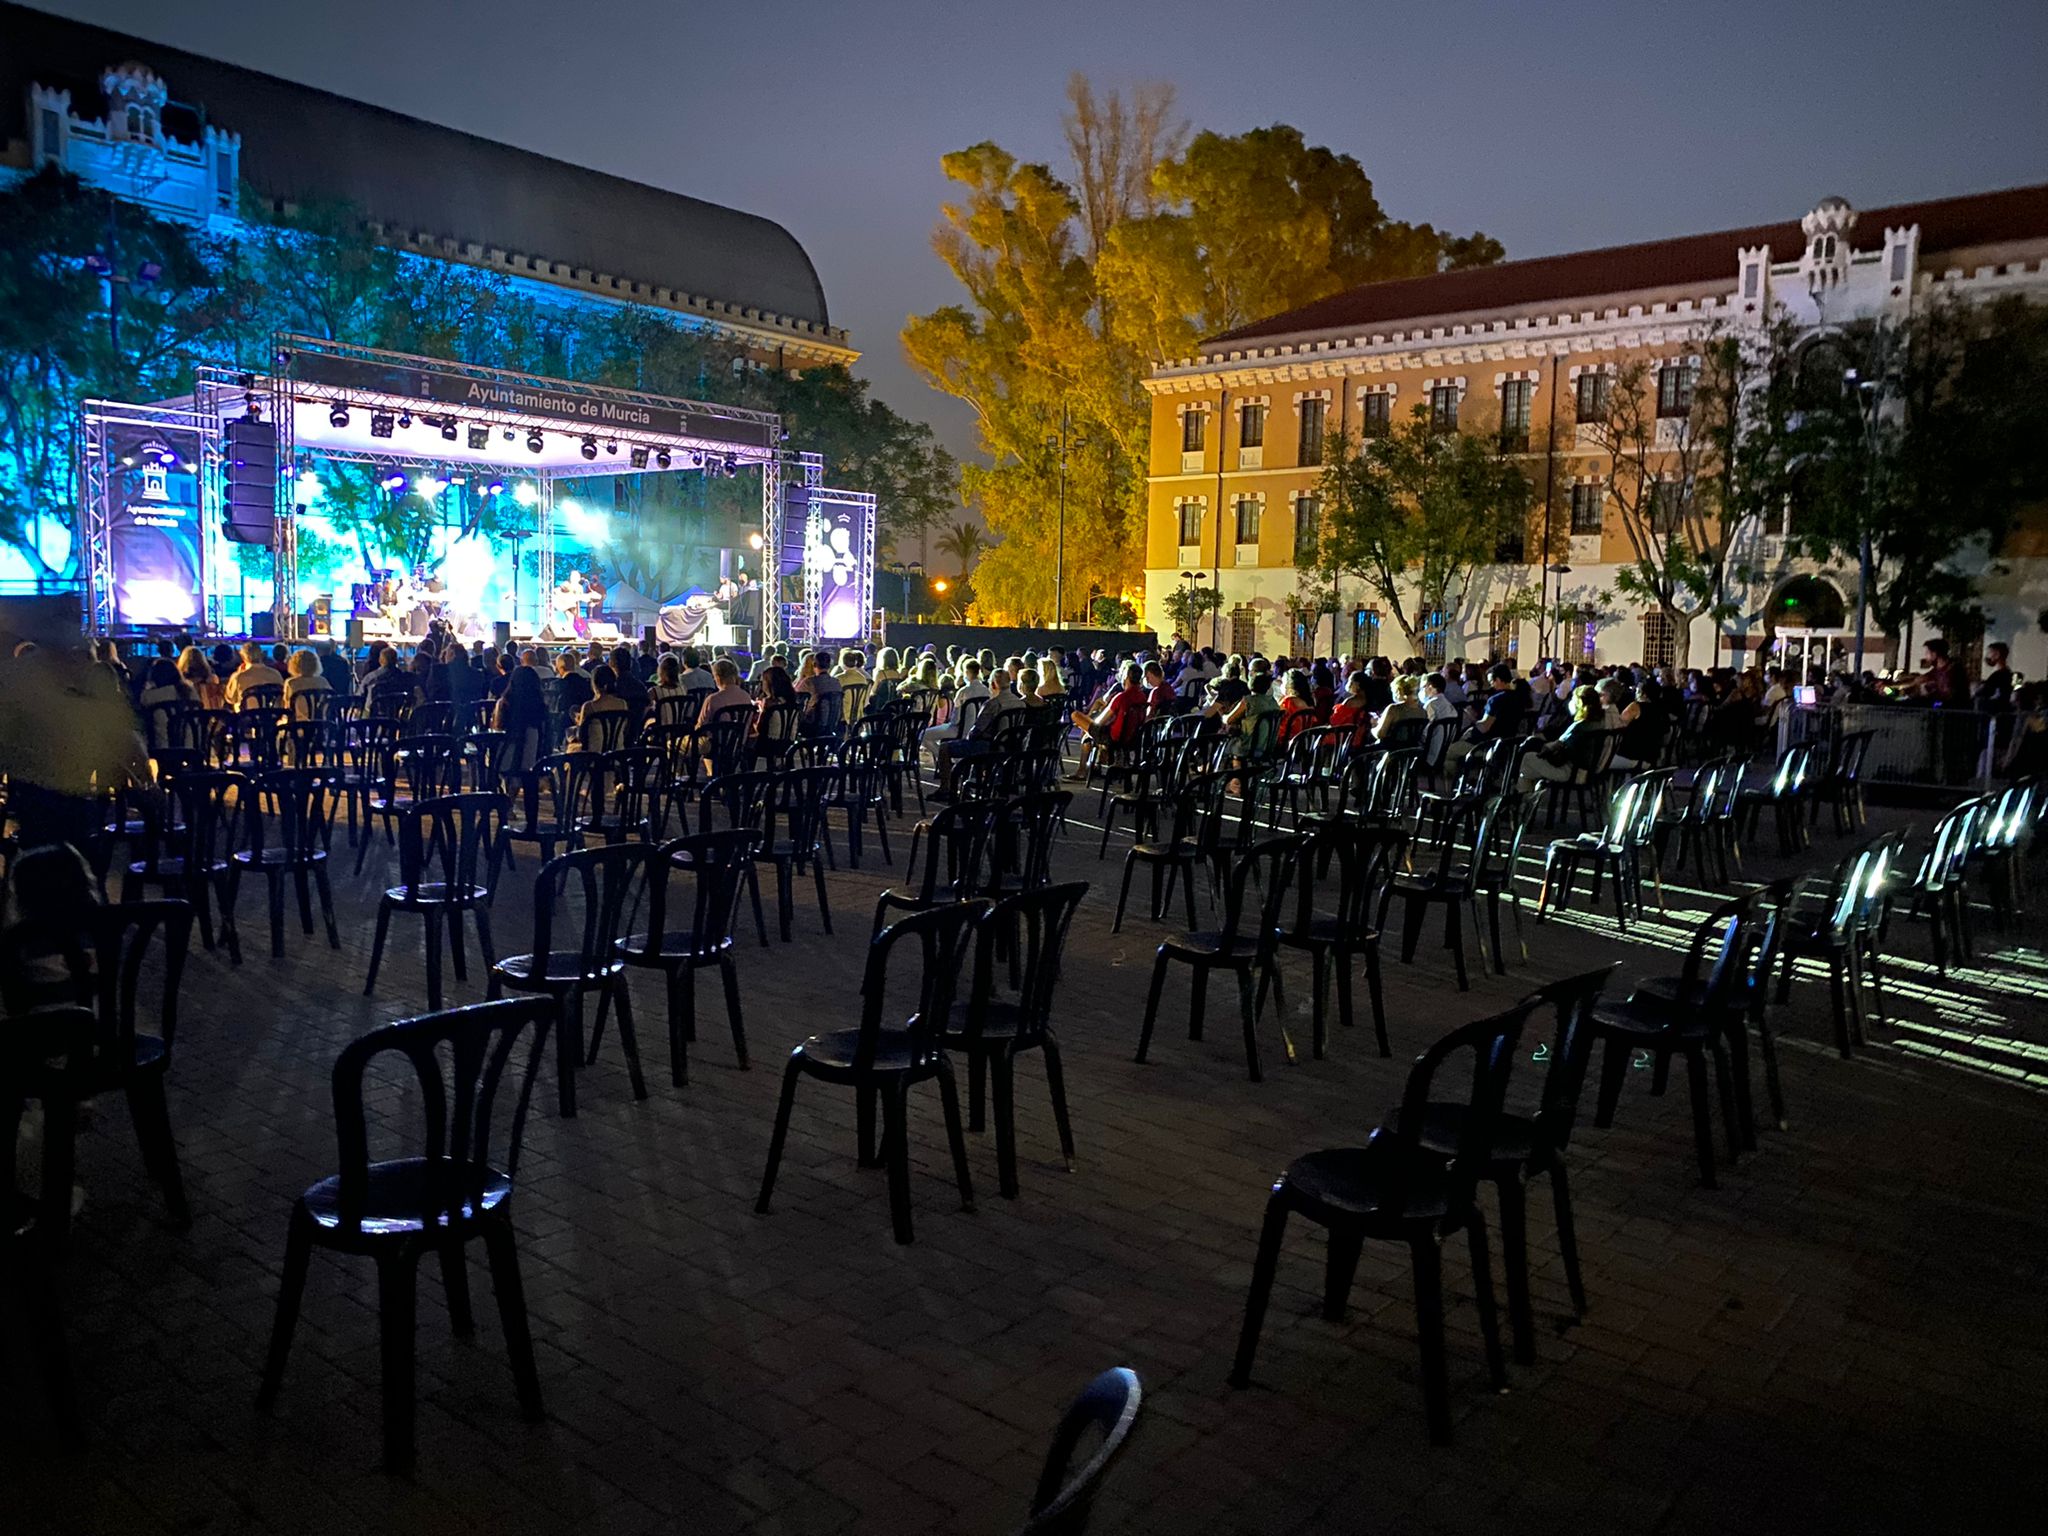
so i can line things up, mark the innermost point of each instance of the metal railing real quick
(1909, 744)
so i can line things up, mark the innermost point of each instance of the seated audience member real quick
(255, 672)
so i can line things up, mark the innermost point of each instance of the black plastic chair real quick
(298, 797)
(958, 852)
(446, 869)
(886, 1061)
(1841, 931)
(1841, 783)
(187, 846)
(1108, 1406)
(1190, 837)
(592, 890)
(1393, 1189)
(1246, 943)
(1337, 939)
(995, 1026)
(683, 938)
(398, 1210)
(1452, 879)
(1525, 1147)
(93, 1043)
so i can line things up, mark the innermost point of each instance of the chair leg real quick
(629, 1041)
(1482, 1296)
(1514, 1261)
(568, 1050)
(1567, 1236)
(1152, 1005)
(1724, 1084)
(396, 1303)
(1263, 1268)
(433, 926)
(729, 972)
(1123, 894)
(1411, 927)
(1454, 940)
(682, 994)
(152, 1117)
(896, 1154)
(1056, 1085)
(1372, 987)
(1006, 1129)
(1429, 1328)
(1702, 1114)
(298, 1255)
(1341, 1268)
(511, 1291)
(781, 1133)
(455, 1279)
(1613, 1066)
(977, 1089)
(274, 879)
(1248, 1006)
(865, 1155)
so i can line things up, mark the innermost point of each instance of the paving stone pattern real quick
(1849, 1335)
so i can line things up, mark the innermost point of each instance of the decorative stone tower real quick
(1825, 261)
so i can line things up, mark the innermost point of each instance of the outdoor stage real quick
(510, 492)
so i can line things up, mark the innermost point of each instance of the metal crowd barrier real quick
(1910, 743)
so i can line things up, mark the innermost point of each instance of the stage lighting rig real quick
(480, 438)
(637, 457)
(533, 442)
(732, 465)
(590, 447)
(338, 417)
(448, 429)
(405, 419)
(611, 445)
(380, 424)
(662, 458)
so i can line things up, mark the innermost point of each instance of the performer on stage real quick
(570, 604)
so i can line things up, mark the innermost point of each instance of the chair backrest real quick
(798, 800)
(1491, 1042)
(1267, 867)
(582, 900)
(717, 863)
(104, 961)
(1392, 791)
(458, 1103)
(314, 704)
(1108, 1405)
(259, 728)
(1437, 736)
(959, 851)
(854, 702)
(263, 696)
(639, 778)
(1363, 859)
(200, 820)
(724, 737)
(314, 743)
(939, 937)
(425, 765)
(298, 797)
(605, 731)
(451, 839)
(1024, 839)
(431, 719)
(742, 798)
(173, 723)
(1654, 787)
(1027, 931)
(969, 712)
(1261, 737)
(1572, 999)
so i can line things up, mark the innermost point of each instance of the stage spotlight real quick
(252, 408)
(590, 447)
(637, 457)
(405, 419)
(480, 438)
(510, 434)
(429, 487)
(662, 458)
(732, 465)
(448, 429)
(533, 442)
(380, 424)
(495, 488)
(394, 482)
(527, 493)
(611, 446)
(338, 417)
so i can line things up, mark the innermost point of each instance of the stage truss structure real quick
(97, 419)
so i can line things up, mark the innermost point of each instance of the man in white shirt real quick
(1435, 702)
(851, 670)
(254, 672)
(693, 674)
(969, 692)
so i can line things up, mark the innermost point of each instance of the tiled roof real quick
(1946, 224)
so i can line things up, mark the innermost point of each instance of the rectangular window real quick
(1589, 500)
(1508, 545)
(1244, 629)
(1898, 263)
(224, 179)
(1365, 632)
(1443, 408)
(1435, 625)
(1308, 528)
(1251, 427)
(1660, 645)
(1667, 502)
(1376, 414)
(1591, 400)
(1190, 523)
(1675, 383)
(1191, 432)
(1248, 510)
(50, 135)
(1312, 413)
(1516, 397)
(1503, 636)
(1575, 633)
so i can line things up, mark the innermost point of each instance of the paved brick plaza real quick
(1848, 1335)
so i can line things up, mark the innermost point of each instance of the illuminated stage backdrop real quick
(153, 523)
(834, 564)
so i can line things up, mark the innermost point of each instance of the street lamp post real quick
(1059, 564)
(1868, 401)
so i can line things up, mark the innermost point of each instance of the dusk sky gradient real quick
(1552, 127)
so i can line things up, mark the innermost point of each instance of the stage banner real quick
(840, 550)
(153, 523)
(526, 397)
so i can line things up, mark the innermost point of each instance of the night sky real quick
(1552, 127)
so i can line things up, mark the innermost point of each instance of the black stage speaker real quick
(320, 617)
(501, 635)
(647, 633)
(249, 483)
(263, 625)
(355, 633)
